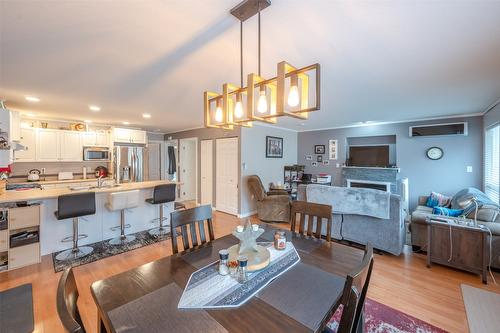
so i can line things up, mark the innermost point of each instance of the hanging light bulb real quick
(262, 103)
(293, 94)
(218, 112)
(238, 108)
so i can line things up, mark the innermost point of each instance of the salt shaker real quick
(241, 275)
(223, 259)
(279, 240)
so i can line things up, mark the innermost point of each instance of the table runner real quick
(156, 312)
(206, 289)
(304, 293)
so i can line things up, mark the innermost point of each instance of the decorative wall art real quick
(333, 149)
(309, 157)
(326, 162)
(314, 164)
(319, 158)
(274, 147)
(319, 149)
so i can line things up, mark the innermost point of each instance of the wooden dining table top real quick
(254, 316)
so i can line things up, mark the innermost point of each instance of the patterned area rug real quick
(104, 249)
(380, 318)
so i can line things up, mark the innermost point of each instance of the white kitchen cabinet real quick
(15, 126)
(125, 135)
(95, 139)
(70, 146)
(57, 145)
(28, 140)
(47, 148)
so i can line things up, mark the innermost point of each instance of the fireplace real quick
(377, 185)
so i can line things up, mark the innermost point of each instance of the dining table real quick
(302, 299)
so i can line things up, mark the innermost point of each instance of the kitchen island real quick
(97, 226)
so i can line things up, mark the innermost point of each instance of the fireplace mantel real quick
(371, 168)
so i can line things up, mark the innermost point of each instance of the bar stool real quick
(161, 194)
(75, 206)
(122, 201)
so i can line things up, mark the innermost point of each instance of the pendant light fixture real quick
(294, 92)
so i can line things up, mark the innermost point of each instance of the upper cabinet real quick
(95, 138)
(28, 140)
(57, 145)
(125, 135)
(15, 126)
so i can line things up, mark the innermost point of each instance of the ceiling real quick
(380, 60)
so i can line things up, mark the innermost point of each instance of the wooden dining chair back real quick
(354, 294)
(194, 219)
(67, 308)
(308, 213)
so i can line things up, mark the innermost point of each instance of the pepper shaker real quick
(241, 275)
(223, 259)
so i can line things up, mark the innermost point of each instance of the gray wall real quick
(205, 134)
(447, 175)
(254, 161)
(492, 117)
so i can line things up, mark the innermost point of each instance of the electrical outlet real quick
(469, 168)
(43, 171)
(337, 165)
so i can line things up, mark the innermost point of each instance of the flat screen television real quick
(369, 156)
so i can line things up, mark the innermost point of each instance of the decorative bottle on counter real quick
(279, 240)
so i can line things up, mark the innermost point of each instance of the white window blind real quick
(492, 163)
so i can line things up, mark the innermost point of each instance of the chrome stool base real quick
(122, 240)
(76, 253)
(160, 231)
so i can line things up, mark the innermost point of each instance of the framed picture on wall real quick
(333, 149)
(319, 158)
(326, 162)
(319, 149)
(309, 157)
(314, 164)
(274, 147)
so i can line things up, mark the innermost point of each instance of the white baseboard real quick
(247, 214)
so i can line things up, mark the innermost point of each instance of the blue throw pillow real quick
(447, 211)
(438, 200)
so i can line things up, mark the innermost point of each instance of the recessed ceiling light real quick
(29, 114)
(94, 108)
(146, 115)
(32, 99)
(126, 123)
(87, 121)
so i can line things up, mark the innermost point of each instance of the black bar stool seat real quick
(74, 206)
(161, 194)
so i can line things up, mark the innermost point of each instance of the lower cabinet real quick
(24, 255)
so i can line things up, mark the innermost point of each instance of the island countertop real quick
(38, 194)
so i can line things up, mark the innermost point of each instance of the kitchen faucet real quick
(99, 181)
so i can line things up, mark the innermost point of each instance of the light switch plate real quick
(469, 168)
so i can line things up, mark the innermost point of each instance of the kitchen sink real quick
(88, 188)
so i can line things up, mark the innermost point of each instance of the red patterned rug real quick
(380, 318)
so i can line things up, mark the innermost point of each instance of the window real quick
(492, 163)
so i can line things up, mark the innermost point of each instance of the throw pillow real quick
(438, 200)
(447, 211)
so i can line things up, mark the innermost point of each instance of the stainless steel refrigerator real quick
(130, 164)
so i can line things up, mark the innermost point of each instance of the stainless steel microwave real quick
(96, 154)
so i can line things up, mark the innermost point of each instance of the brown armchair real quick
(270, 208)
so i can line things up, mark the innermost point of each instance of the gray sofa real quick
(384, 234)
(484, 216)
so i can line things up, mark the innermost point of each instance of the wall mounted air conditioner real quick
(459, 128)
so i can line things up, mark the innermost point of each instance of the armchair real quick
(272, 207)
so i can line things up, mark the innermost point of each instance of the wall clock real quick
(434, 153)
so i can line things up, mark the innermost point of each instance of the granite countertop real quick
(55, 181)
(38, 194)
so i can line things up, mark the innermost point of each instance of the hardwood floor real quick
(403, 282)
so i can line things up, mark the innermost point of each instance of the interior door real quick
(187, 161)
(154, 152)
(226, 178)
(206, 172)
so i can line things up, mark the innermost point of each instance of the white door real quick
(187, 161)
(71, 146)
(226, 178)
(206, 172)
(28, 140)
(47, 147)
(154, 153)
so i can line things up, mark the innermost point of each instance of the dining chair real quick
(67, 309)
(182, 219)
(353, 296)
(309, 212)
